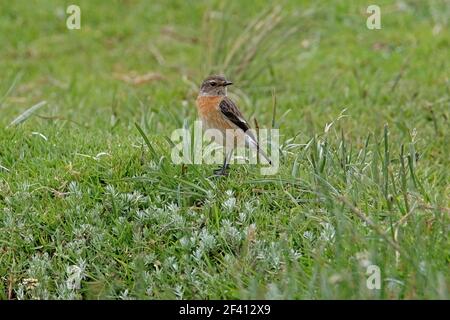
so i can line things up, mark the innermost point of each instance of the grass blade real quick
(147, 141)
(28, 113)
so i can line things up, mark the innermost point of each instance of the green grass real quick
(88, 210)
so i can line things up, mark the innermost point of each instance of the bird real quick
(218, 111)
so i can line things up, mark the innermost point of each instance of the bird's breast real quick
(208, 104)
(209, 112)
(213, 118)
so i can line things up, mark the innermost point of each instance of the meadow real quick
(92, 207)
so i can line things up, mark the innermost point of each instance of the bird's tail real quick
(254, 144)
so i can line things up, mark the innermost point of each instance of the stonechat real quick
(217, 111)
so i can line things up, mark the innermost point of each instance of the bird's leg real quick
(223, 170)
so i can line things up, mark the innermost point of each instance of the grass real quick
(92, 207)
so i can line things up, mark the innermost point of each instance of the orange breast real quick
(207, 105)
(212, 117)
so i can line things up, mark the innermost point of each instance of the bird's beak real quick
(228, 83)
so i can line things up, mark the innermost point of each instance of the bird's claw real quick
(221, 172)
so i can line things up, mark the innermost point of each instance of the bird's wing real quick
(232, 113)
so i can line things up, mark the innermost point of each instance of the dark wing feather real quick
(229, 109)
(232, 113)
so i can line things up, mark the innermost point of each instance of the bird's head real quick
(214, 86)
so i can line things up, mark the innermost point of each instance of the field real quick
(92, 207)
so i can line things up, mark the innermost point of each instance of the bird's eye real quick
(213, 83)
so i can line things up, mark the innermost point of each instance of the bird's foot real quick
(222, 171)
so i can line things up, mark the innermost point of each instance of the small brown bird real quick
(219, 112)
